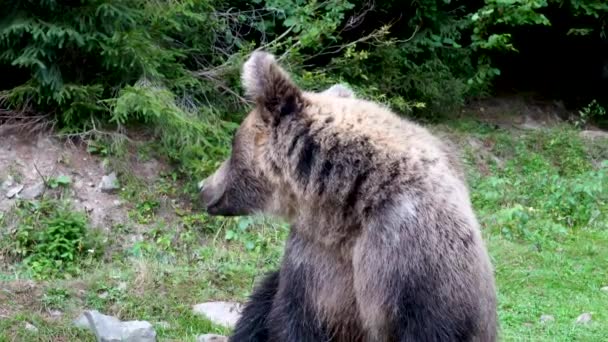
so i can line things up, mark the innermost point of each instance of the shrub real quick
(173, 65)
(51, 239)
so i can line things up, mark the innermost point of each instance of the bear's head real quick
(249, 180)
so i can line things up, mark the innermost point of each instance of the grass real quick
(541, 197)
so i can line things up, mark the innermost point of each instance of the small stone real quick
(592, 135)
(530, 124)
(604, 289)
(81, 322)
(33, 191)
(103, 295)
(55, 313)
(211, 338)
(78, 184)
(106, 328)
(12, 192)
(8, 182)
(111, 329)
(91, 184)
(117, 203)
(31, 327)
(138, 331)
(339, 90)
(222, 313)
(122, 286)
(584, 318)
(109, 183)
(546, 318)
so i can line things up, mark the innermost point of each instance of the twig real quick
(355, 20)
(374, 35)
(45, 180)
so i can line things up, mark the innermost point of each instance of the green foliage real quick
(592, 111)
(173, 65)
(51, 239)
(105, 63)
(545, 191)
(55, 298)
(62, 180)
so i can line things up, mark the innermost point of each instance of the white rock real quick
(339, 90)
(604, 289)
(12, 192)
(138, 331)
(109, 183)
(33, 192)
(55, 313)
(111, 329)
(31, 327)
(546, 318)
(8, 182)
(122, 286)
(584, 318)
(81, 322)
(211, 338)
(589, 134)
(530, 124)
(222, 313)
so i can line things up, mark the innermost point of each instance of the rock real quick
(55, 313)
(14, 191)
(138, 331)
(33, 191)
(222, 313)
(339, 90)
(31, 327)
(81, 322)
(8, 182)
(103, 295)
(584, 318)
(111, 329)
(109, 183)
(604, 289)
(530, 124)
(546, 318)
(211, 338)
(122, 286)
(591, 135)
(201, 184)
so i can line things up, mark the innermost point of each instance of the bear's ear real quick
(339, 90)
(270, 87)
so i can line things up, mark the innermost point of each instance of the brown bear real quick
(383, 245)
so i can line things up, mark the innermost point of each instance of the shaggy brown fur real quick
(384, 245)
